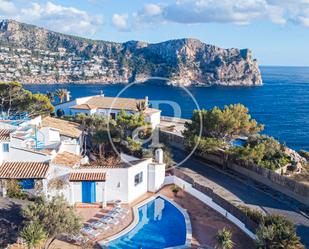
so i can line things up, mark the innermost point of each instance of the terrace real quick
(205, 222)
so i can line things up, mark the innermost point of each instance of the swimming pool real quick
(160, 225)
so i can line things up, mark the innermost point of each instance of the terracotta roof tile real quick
(5, 134)
(99, 102)
(67, 159)
(66, 128)
(87, 176)
(23, 170)
(84, 107)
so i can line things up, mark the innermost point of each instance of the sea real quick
(281, 104)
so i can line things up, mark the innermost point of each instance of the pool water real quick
(160, 225)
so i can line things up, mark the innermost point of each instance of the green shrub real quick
(224, 239)
(34, 235)
(254, 215)
(304, 154)
(14, 190)
(262, 150)
(276, 232)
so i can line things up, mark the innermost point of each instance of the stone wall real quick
(229, 210)
(290, 187)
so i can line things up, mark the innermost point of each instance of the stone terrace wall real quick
(290, 187)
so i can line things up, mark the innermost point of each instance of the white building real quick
(100, 104)
(45, 156)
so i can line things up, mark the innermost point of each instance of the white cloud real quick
(120, 21)
(241, 12)
(7, 7)
(152, 9)
(54, 16)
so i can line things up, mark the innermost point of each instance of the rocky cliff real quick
(35, 55)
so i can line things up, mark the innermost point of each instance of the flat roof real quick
(112, 165)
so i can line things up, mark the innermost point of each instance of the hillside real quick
(36, 55)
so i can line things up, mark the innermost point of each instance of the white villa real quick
(99, 104)
(45, 155)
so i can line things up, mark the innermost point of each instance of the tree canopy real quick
(15, 100)
(223, 124)
(262, 150)
(54, 216)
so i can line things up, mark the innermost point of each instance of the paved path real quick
(241, 190)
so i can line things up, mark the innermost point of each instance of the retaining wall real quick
(209, 197)
(281, 183)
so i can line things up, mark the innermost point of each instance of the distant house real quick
(100, 104)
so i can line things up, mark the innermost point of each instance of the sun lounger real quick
(78, 238)
(121, 210)
(99, 225)
(90, 232)
(114, 214)
(109, 220)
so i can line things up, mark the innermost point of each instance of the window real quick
(138, 178)
(113, 115)
(5, 147)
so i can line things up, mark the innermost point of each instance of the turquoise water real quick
(160, 225)
(282, 103)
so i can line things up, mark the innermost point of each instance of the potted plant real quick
(175, 189)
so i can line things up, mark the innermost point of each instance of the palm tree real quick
(50, 96)
(224, 239)
(34, 235)
(61, 93)
(141, 106)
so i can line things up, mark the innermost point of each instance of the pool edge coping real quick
(104, 243)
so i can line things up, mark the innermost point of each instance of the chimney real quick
(159, 156)
(67, 96)
(101, 93)
(146, 101)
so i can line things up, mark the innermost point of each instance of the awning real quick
(87, 176)
(23, 170)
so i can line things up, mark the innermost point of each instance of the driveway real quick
(243, 191)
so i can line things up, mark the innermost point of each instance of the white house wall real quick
(156, 176)
(22, 155)
(135, 192)
(48, 136)
(4, 156)
(154, 119)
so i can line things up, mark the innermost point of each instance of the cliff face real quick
(42, 56)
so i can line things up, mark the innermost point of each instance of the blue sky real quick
(276, 30)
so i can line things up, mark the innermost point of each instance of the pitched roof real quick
(151, 111)
(101, 102)
(66, 128)
(5, 134)
(87, 176)
(67, 159)
(23, 170)
(84, 107)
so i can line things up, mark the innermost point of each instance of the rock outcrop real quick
(42, 56)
